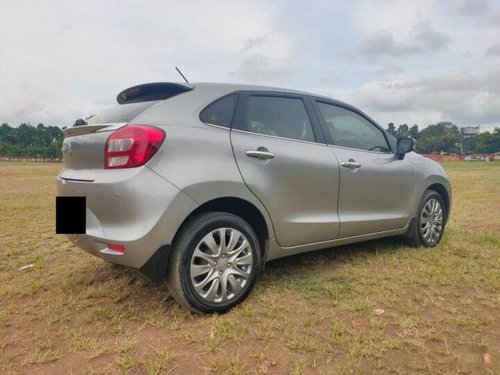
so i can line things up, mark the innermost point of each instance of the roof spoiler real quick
(152, 91)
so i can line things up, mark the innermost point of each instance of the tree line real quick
(446, 137)
(45, 142)
(33, 142)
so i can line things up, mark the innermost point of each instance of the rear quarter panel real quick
(199, 160)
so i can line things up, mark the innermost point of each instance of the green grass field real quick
(313, 313)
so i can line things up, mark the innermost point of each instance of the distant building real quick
(469, 131)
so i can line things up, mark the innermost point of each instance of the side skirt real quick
(275, 251)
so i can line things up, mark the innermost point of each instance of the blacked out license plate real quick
(71, 215)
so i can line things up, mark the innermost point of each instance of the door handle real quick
(260, 154)
(352, 164)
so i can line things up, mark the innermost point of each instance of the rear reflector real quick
(116, 247)
(132, 146)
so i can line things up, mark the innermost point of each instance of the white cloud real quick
(421, 38)
(493, 50)
(58, 58)
(396, 16)
(417, 61)
(261, 69)
(460, 96)
(485, 13)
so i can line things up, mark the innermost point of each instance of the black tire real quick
(415, 234)
(179, 279)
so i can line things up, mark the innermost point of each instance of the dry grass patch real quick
(312, 313)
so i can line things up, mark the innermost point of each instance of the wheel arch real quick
(156, 266)
(239, 207)
(443, 192)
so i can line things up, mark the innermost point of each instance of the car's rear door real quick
(376, 189)
(283, 159)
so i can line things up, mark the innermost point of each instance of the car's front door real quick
(376, 189)
(296, 178)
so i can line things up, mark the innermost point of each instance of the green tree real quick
(6, 134)
(391, 128)
(403, 131)
(483, 143)
(30, 141)
(443, 136)
(413, 132)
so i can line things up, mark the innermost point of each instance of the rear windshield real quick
(121, 113)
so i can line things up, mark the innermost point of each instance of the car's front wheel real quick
(214, 262)
(428, 225)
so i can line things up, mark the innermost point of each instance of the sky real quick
(414, 62)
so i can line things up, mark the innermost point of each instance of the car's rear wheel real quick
(428, 225)
(214, 262)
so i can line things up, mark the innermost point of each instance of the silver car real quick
(203, 183)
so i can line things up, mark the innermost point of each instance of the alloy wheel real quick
(431, 221)
(221, 265)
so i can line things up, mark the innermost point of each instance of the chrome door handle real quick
(260, 154)
(350, 164)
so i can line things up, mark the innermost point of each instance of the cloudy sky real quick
(418, 61)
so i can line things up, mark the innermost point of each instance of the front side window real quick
(348, 129)
(220, 112)
(277, 116)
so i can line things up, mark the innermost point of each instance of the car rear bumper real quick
(135, 208)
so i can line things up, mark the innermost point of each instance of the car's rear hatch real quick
(84, 146)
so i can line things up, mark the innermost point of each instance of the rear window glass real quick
(121, 113)
(220, 112)
(278, 116)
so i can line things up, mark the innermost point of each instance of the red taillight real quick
(132, 146)
(116, 247)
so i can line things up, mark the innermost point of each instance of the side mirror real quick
(405, 145)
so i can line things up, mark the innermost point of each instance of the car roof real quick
(249, 87)
(201, 94)
(163, 90)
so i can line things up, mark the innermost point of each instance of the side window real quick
(278, 116)
(220, 112)
(348, 129)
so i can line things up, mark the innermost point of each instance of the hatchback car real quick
(203, 183)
